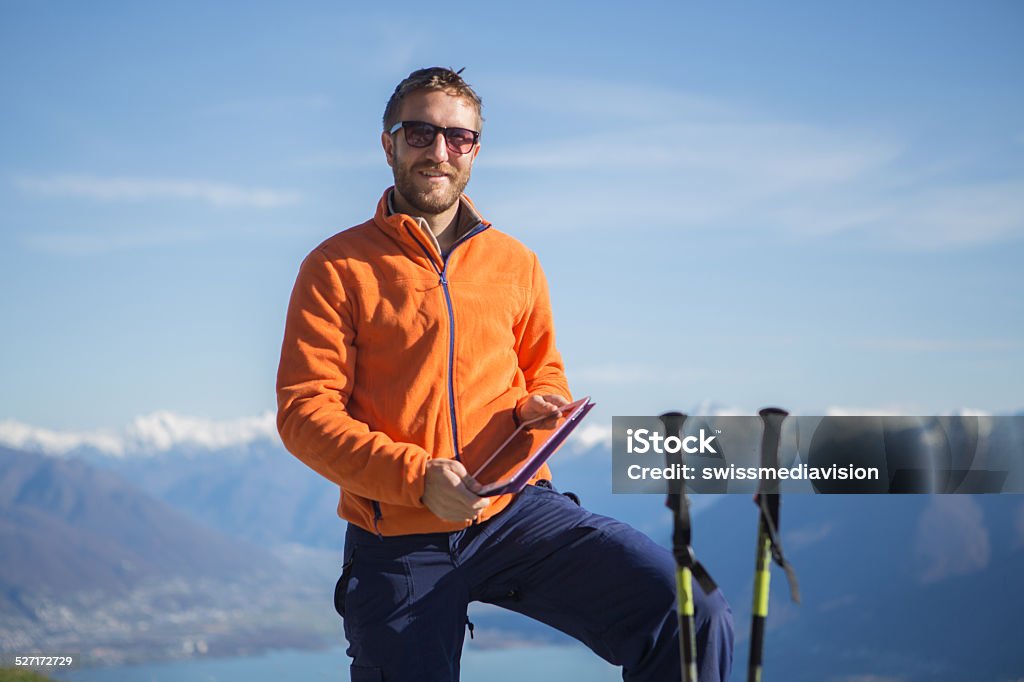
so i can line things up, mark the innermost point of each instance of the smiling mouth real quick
(434, 175)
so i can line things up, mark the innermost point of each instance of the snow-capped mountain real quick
(147, 435)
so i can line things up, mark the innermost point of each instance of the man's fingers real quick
(466, 495)
(456, 467)
(466, 502)
(558, 400)
(471, 484)
(542, 406)
(461, 505)
(547, 407)
(461, 511)
(449, 491)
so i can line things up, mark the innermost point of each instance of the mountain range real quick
(95, 565)
(897, 587)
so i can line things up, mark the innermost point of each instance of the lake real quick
(568, 663)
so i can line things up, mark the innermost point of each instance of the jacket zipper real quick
(442, 273)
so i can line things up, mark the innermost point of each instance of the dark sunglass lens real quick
(460, 139)
(419, 134)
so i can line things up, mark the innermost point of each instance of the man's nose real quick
(439, 150)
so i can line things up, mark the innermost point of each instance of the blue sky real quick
(811, 205)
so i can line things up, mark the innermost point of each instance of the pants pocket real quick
(375, 593)
(341, 587)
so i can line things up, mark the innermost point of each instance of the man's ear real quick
(476, 150)
(387, 140)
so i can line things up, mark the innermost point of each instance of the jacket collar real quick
(401, 226)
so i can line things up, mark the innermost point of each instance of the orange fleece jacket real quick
(393, 355)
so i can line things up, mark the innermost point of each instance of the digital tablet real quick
(523, 453)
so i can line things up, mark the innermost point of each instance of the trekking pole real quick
(687, 567)
(769, 544)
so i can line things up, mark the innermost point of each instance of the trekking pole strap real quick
(685, 558)
(770, 521)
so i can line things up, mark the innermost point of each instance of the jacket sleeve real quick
(314, 381)
(539, 359)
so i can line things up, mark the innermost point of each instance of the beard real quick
(421, 195)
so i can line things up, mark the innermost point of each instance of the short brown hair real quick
(433, 78)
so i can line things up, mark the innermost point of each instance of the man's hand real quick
(541, 406)
(448, 491)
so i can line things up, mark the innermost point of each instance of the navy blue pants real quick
(404, 598)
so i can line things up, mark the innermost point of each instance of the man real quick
(414, 344)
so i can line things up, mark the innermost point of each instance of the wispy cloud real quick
(805, 537)
(688, 175)
(952, 539)
(341, 160)
(278, 105)
(940, 215)
(635, 373)
(69, 243)
(840, 602)
(672, 160)
(123, 189)
(766, 158)
(938, 345)
(589, 99)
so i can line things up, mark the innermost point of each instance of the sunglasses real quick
(420, 134)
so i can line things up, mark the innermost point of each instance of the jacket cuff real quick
(516, 414)
(417, 482)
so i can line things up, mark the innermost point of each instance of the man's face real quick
(432, 178)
